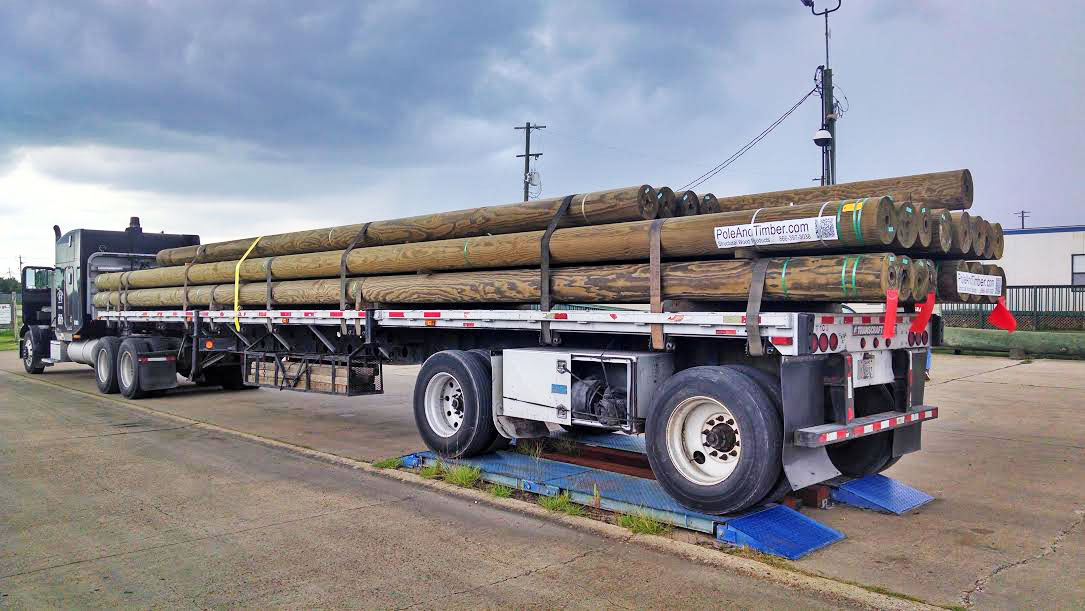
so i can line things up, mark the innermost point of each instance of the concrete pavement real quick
(1004, 462)
(107, 506)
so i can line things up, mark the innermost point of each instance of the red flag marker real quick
(920, 321)
(889, 330)
(1002, 318)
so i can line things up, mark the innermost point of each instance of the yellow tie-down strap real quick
(237, 282)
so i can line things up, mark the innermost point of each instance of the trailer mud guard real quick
(804, 405)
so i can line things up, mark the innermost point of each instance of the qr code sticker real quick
(825, 229)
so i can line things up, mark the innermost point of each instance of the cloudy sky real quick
(229, 119)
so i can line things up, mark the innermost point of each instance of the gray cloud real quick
(370, 110)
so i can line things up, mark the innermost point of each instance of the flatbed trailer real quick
(734, 413)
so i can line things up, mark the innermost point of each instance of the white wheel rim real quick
(703, 441)
(444, 404)
(102, 366)
(29, 358)
(127, 370)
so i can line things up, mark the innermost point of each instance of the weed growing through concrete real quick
(562, 503)
(433, 471)
(642, 524)
(501, 492)
(463, 475)
(389, 463)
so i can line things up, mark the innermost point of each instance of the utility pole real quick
(1024, 214)
(528, 155)
(827, 141)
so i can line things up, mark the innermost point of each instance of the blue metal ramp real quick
(882, 494)
(603, 439)
(779, 531)
(774, 530)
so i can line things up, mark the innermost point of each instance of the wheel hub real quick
(703, 440)
(444, 404)
(721, 438)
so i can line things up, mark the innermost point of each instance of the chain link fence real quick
(1047, 307)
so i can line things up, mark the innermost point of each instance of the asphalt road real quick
(105, 506)
(1004, 461)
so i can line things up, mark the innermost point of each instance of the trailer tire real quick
(500, 442)
(453, 406)
(105, 364)
(724, 468)
(128, 367)
(866, 455)
(771, 385)
(31, 363)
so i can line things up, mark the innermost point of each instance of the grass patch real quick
(642, 524)
(463, 475)
(8, 341)
(389, 463)
(530, 447)
(567, 447)
(433, 471)
(501, 492)
(561, 503)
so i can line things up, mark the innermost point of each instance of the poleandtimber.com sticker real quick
(979, 284)
(776, 232)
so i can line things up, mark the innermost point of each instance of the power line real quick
(749, 145)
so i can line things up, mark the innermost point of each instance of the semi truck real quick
(739, 404)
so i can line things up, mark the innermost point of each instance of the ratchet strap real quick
(753, 308)
(124, 290)
(655, 290)
(359, 238)
(237, 282)
(267, 290)
(544, 266)
(184, 289)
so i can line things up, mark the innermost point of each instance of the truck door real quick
(37, 295)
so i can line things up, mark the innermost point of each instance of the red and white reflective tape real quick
(879, 426)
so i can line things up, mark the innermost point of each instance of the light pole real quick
(826, 134)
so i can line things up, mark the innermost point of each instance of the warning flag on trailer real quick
(1002, 318)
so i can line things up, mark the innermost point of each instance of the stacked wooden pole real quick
(858, 241)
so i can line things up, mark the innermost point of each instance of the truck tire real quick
(500, 442)
(105, 364)
(31, 363)
(452, 404)
(128, 367)
(865, 455)
(771, 385)
(713, 440)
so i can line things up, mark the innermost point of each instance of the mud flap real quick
(908, 439)
(804, 405)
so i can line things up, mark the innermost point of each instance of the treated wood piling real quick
(952, 190)
(614, 206)
(826, 278)
(868, 224)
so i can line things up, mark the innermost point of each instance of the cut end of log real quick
(665, 198)
(647, 203)
(966, 188)
(687, 204)
(709, 204)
